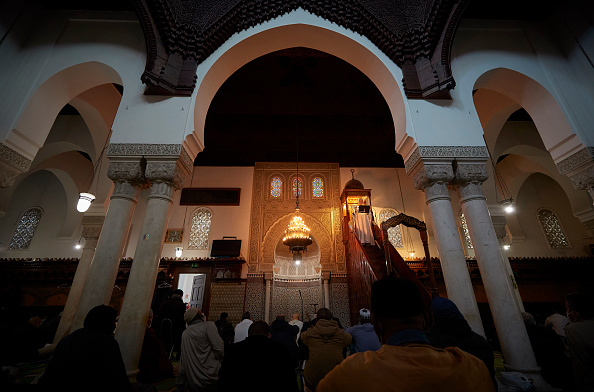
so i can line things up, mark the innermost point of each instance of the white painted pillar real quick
(165, 175)
(517, 351)
(268, 278)
(433, 180)
(499, 223)
(90, 232)
(104, 267)
(326, 294)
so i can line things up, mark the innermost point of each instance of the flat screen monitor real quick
(225, 248)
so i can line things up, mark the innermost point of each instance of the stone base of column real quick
(534, 375)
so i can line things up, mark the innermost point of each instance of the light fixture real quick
(178, 251)
(78, 246)
(508, 205)
(86, 198)
(297, 236)
(508, 202)
(84, 201)
(506, 247)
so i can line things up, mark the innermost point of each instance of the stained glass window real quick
(200, 229)
(318, 187)
(297, 187)
(394, 233)
(26, 229)
(467, 239)
(276, 187)
(553, 230)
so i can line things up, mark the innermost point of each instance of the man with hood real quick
(201, 355)
(450, 329)
(326, 341)
(89, 359)
(283, 332)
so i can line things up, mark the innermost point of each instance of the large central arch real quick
(257, 44)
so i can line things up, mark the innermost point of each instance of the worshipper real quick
(303, 349)
(201, 354)
(154, 364)
(170, 318)
(406, 361)
(283, 332)
(225, 328)
(364, 336)
(89, 359)
(24, 342)
(326, 341)
(295, 321)
(241, 329)
(557, 322)
(450, 329)
(258, 358)
(580, 336)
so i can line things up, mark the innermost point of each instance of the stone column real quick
(326, 278)
(91, 227)
(127, 177)
(433, 179)
(517, 351)
(499, 223)
(165, 175)
(268, 279)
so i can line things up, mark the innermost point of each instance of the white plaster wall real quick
(226, 220)
(41, 189)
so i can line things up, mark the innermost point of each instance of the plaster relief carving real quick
(170, 172)
(130, 171)
(428, 174)
(584, 179)
(574, 161)
(475, 173)
(432, 152)
(11, 165)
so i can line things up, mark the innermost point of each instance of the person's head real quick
(259, 328)
(246, 316)
(193, 314)
(442, 308)
(528, 318)
(580, 306)
(177, 293)
(101, 318)
(149, 321)
(364, 316)
(280, 317)
(324, 314)
(396, 305)
(35, 321)
(224, 316)
(295, 316)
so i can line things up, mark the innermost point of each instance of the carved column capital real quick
(579, 167)
(128, 178)
(499, 223)
(11, 165)
(172, 172)
(91, 226)
(428, 174)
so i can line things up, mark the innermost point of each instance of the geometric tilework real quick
(339, 301)
(254, 298)
(286, 300)
(227, 297)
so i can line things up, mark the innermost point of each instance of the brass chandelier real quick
(297, 236)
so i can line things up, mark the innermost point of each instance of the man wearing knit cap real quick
(202, 353)
(364, 336)
(406, 361)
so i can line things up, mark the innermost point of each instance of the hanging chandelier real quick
(297, 236)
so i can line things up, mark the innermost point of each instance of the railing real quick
(360, 275)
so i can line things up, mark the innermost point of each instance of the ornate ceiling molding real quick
(415, 34)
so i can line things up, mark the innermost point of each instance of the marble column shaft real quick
(164, 176)
(267, 297)
(104, 267)
(91, 230)
(511, 331)
(433, 179)
(326, 294)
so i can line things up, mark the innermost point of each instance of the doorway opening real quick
(193, 286)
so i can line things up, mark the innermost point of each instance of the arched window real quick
(276, 187)
(394, 233)
(26, 229)
(552, 229)
(200, 229)
(467, 239)
(297, 187)
(318, 187)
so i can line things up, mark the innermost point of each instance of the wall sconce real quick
(178, 251)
